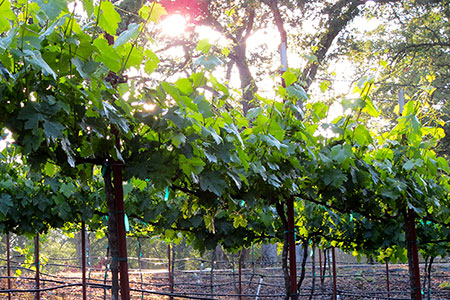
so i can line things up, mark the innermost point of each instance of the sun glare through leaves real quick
(173, 25)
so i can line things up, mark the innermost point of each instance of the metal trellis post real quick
(333, 255)
(83, 260)
(8, 261)
(387, 280)
(36, 260)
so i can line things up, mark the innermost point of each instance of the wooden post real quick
(37, 264)
(292, 256)
(333, 255)
(8, 263)
(121, 233)
(83, 260)
(120, 208)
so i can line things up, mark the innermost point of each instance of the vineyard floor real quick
(353, 282)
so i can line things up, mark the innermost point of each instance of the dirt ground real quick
(356, 281)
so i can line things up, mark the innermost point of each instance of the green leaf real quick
(198, 79)
(191, 165)
(185, 86)
(151, 62)
(271, 141)
(324, 85)
(311, 57)
(132, 54)
(7, 15)
(266, 218)
(365, 80)
(297, 92)
(204, 107)
(67, 189)
(203, 46)
(34, 58)
(53, 130)
(115, 117)
(50, 29)
(340, 153)
(107, 55)
(5, 203)
(334, 177)
(85, 69)
(276, 130)
(213, 182)
(130, 33)
(50, 169)
(88, 7)
(362, 136)
(289, 78)
(209, 62)
(258, 168)
(108, 17)
(86, 149)
(414, 124)
(320, 109)
(52, 8)
(231, 128)
(443, 164)
(210, 157)
(178, 139)
(214, 134)
(409, 165)
(31, 116)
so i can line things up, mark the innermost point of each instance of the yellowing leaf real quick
(370, 107)
(152, 12)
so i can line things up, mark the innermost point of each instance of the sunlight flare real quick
(173, 25)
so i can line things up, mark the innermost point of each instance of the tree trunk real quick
(304, 259)
(413, 256)
(112, 234)
(284, 255)
(429, 277)
(324, 269)
(284, 266)
(425, 272)
(221, 258)
(248, 86)
(342, 12)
